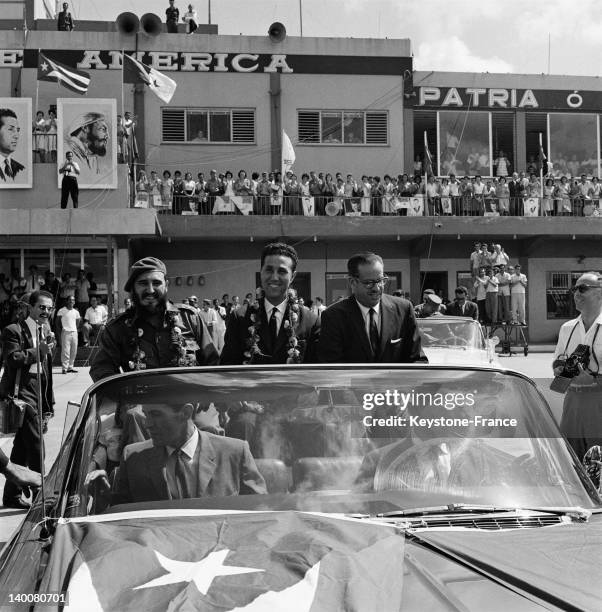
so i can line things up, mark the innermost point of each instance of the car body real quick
(384, 491)
(456, 341)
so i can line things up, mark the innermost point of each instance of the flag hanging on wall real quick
(160, 84)
(51, 70)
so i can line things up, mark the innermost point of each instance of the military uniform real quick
(130, 342)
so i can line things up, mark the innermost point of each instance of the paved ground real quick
(70, 387)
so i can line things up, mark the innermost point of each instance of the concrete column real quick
(275, 120)
(415, 279)
(408, 141)
(520, 141)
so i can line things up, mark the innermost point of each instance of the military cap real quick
(146, 264)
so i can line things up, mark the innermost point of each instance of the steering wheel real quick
(455, 341)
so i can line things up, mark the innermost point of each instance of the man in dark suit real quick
(179, 462)
(9, 139)
(20, 380)
(461, 306)
(280, 324)
(369, 326)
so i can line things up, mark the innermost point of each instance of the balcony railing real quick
(328, 206)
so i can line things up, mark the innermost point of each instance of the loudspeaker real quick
(151, 24)
(128, 23)
(277, 32)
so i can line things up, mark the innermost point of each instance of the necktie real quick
(8, 171)
(273, 325)
(374, 335)
(181, 474)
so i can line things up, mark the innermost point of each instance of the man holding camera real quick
(577, 360)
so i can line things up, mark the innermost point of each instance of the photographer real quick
(69, 186)
(576, 366)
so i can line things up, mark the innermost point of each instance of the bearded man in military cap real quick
(153, 333)
(88, 139)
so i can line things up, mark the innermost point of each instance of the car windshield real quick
(448, 332)
(335, 439)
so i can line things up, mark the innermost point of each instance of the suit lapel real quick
(282, 337)
(357, 320)
(207, 463)
(388, 324)
(157, 469)
(25, 331)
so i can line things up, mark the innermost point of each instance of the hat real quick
(83, 120)
(146, 264)
(434, 298)
(193, 298)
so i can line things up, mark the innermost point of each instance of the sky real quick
(449, 35)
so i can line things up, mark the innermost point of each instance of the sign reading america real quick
(208, 61)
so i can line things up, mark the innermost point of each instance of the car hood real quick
(305, 561)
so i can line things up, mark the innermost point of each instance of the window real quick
(343, 127)
(198, 125)
(573, 144)
(559, 301)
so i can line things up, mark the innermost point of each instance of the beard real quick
(98, 147)
(158, 306)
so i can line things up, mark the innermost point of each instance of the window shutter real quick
(308, 126)
(377, 128)
(243, 126)
(172, 125)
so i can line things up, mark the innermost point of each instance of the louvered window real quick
(343, 127)
(198, 125)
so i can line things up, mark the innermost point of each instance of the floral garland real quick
(180, 357)
(253, 352)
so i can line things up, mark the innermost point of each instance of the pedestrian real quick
(276, 327)
(518, 285)
(68, 321)
(153, 333)
(191, 19)
(69, 187)
(172, 16)
(369, 326)
(209, 317)
(95, 319)
(19, 379)
(581, 421)
(65, 21)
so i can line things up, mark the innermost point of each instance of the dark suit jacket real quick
(15, 167)
(20, 354)
(237, 334)
(470, 310)
(343, 337)
(226, 467)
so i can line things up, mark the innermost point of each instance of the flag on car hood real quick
(160, 84)
(257, 562)
(51, 70)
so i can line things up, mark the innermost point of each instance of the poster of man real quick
(16, 160)
(88, 128)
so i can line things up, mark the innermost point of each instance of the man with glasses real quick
(19, 342)
(369, 326)
(581, 421)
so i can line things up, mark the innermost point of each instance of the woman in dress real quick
(502, 192)
(51, 136)
(547, 203)
(563, 198)
(229, 184)
(142, 190)
(502, 165)
(39, 138)
(594, 194)
(445, 193)
(166, 190)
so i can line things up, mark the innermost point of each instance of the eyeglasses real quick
(584, 288)
(370, 284)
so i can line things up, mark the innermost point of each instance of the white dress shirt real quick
(97, 315)
(366, 314)
(269, 307)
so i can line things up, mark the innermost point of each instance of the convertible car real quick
(312, 488)
(456, 341)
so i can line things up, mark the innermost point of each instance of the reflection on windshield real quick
(441, 331)
(396, 435)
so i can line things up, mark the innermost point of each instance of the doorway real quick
(437, 281)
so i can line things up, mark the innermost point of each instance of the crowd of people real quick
(320, 193)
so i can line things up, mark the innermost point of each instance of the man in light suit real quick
(180, 461)
(9, 139)
(461, 306)
(369, 326)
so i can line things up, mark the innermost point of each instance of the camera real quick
(574, 364)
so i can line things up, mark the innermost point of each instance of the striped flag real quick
(73, 79)
(428, 158)
(160, 84)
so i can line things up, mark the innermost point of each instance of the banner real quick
(288, 153)
(402, 203)
(223, 204)
(141, 200)
(88, 128)
(230, 204)
(309, 209)
(276, 200)
(353, 207)
(531, 207)
(416, 208)
(365, 205)
(16, 159)
(243, 203)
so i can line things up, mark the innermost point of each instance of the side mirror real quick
(592, 462)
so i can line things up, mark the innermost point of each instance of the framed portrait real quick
(88, 128)
(16, 158)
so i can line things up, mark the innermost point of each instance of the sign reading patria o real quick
(491, 98)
